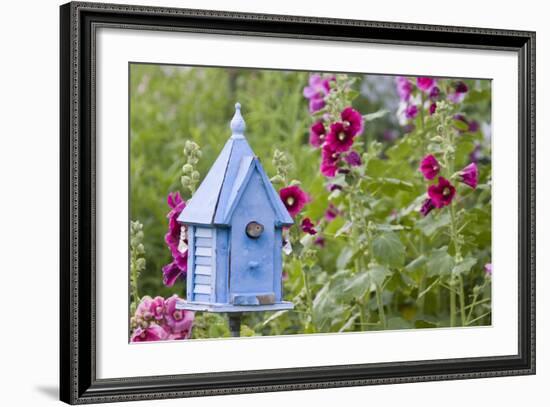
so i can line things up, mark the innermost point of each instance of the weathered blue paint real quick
(228, 270)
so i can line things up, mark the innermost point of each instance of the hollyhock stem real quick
(452, 307)
(461, 301)
(380, 305)
(309, 299)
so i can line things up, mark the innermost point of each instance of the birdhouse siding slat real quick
(203, 261)
(203, 232)
(203, 242)
(203, 251)
(278, 265)
(202, 279)
(202, 289)
(203, 270)
(202, 298)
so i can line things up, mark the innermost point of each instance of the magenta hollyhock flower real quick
(316, 91)
(294, 198)
(432, 108)
(329, 161)
(177, 268)
(404, 88)
(425, 84)
(178, 320)
(172, 238)
(488, 269)
(429, 167)
(144, 307)
(153, 332)
(308, 226)
(352, 120)
(458, 93)
(411, 111)
(442, 193)
(317, 134)
(469, 175)
(156, 308)
(338, 139)
(426, 207)
(473, 126)
(353, 159)
(434, 93)
(331, 213)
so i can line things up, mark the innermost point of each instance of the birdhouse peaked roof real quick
(220, 191)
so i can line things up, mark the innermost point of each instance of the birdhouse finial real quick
(238, 126)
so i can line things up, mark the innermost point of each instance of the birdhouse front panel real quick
(253, 271)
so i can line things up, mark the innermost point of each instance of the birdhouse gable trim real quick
(247, 168)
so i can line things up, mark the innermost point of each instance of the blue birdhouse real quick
(234, 227)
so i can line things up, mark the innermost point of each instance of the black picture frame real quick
(78, 382)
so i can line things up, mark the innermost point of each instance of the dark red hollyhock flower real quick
(338, 138)
(294, 198)
(432, 108)
(329, 161)
(353, 159)
(458, 93)
(427, 207)
(352, 120)
(429, 166)
(308, 227)
(317, 133)
(320, 241)
(441, 194)
(411, 111)
(469, 174)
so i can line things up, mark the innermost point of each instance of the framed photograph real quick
(255, 203)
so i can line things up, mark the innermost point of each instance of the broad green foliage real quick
(382, 264)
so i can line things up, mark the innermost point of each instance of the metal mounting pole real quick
(235, 324)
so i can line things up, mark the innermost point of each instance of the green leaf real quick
(440, 262)
(417, 263)
(388, 250)
(378, 274)
(358, 285)
(465, 266)
(460, 125)
(376, 115)
(431, 223)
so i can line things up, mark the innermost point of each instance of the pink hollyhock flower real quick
(331, 213)
(329, 161)
(426, 207)
(338, 139)
(157, 308)
(353, 159)
(458, 93)
(404, 88)
(429, 167)
(153, 332)
(425, 84)
(178, 320)
(411, 111)
(352, 120)
(442, 193)
(432, 108)
(317, 134)
(308, 227)
(144, 307)
(488, 269)
(294, 198)
(469, 175)
(316, 91)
